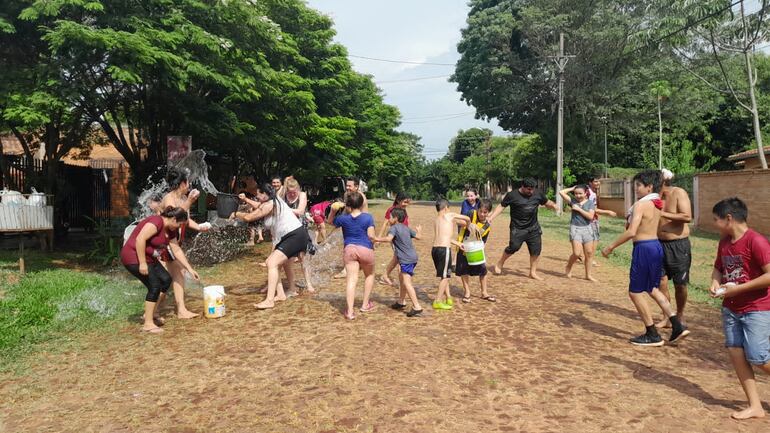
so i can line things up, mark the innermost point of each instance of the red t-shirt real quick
(156, 245)
(387, 215)
(740, 262)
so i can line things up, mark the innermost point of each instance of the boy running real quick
(400, 235)
(442, 251)
(462, 268)
(647, 258)
(741, 276)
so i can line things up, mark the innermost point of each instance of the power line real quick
(412, 79)
(406, 62)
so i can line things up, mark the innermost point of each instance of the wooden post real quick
(22, 270)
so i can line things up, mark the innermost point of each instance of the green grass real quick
(704, 247)
(52, 303)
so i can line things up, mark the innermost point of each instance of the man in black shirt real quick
(524, 203)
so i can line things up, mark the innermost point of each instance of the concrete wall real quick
(614, 204)
(751, 186)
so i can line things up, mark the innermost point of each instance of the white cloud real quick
(415, 31)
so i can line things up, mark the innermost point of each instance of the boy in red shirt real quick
(741, 276)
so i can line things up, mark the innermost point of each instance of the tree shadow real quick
(577, 318)
(679, 384)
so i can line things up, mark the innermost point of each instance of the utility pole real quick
(606, 167)
(488, 192)
(561, 62)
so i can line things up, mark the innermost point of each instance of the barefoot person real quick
(180, 195)
(400, 235)
(443, 229)
(647, 258)
(674, 232)
(741, 276)
(358, 234)
(291, 238)
(297, 201)
(593, 195)
(401, 202)
(525, 203)
(581, 232)
(479, 218)
(146, 246)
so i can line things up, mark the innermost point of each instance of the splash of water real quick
(327, 260)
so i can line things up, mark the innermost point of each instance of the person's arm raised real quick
(565, 194)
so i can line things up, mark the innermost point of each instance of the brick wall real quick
(751, 186)
(614, 204)
(119, 192)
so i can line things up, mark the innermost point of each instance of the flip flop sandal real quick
(467, 299)
(368, 307)
(350, 316)
(151, 331)
(489, 298)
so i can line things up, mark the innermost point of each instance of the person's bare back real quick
(648, 226)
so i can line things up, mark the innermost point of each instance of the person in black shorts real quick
(525, 203)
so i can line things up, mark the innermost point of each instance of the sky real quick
(413, 31)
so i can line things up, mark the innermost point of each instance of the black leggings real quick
(157, 280)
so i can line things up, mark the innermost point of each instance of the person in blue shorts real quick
(401, 237)
(647, 259)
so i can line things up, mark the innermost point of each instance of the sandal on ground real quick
(384, 282)
(467, 299)
(155, 330)
(489, 298)
(368, 307)
(349, 316)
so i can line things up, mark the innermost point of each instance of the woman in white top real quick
(289, 237)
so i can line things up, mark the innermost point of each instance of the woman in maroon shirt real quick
(153, 240)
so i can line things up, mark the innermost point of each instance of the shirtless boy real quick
(674, 232)
(444, 228)
(647, 258)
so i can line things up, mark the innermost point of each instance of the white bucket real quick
(214, 301)
(474, 252)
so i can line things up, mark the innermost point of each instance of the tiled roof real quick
(747, 154)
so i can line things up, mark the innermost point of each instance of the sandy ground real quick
(549, 356)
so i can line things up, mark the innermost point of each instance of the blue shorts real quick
(408, 268)
(750, 331)
(646, 266)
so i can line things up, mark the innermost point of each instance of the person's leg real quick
(274, 263)
(406, 283)
(498, 269)
(465, 279)
(681, 300)
(177, 283)
(351, 280)
(306, 272)
(149, 312)
(664, 323)
(484, 282)
(388, 269)
(443, 290)
(588, 249)
(368, 268)
(402, 292)
(749, 384)
(289, 270)
(640, 302)
(577, 250)
(533, 268)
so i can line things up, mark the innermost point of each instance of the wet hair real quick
(354, 200)
(356, 181)
(269, 191)
(582, 186)
(401, 197)
(593, 177)
(441, 203)
(731, 206)
(652, 178)
(178, 213)
(292, 184)
(528, 182)
(485, 204)
(176, 177)
(399, 213)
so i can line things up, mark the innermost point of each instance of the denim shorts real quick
(751, 331)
